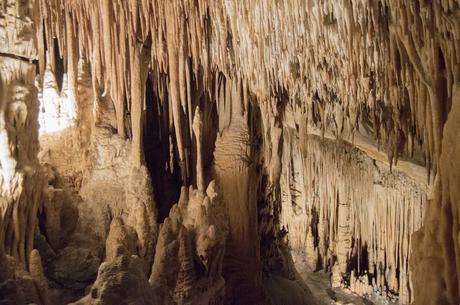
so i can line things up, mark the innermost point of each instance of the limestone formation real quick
(187, 267)
(229, 152)
(360, 217)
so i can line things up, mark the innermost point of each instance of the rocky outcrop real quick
(188, 260)
(329, 129)
(435, 245)
(193, 237)
(120, 281)
(22, 279)
(121, 278)
(20, 172)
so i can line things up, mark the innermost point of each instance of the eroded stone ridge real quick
(328, 127)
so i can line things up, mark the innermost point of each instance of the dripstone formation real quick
(229, 152)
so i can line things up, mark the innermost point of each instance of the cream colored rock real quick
(358, 212)
(329, 127)
(187, 268)
(37, 273)
(120, 281)
(121, 240)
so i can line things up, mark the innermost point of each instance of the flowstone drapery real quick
(244, 140)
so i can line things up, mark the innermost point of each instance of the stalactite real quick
(138, 77)
(326, 70)
(72, 63)
(376, 75)
(354, 194)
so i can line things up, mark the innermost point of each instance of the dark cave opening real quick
(164, 173)
(60, 68)
(56, 57)
(443, 86)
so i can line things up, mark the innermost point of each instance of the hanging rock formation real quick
(359, 217)
(226, 152)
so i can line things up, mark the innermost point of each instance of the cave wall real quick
(20, 171)
(21, 178)
(349, 214)
(243, 91)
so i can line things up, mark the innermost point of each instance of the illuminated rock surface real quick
(229, 152)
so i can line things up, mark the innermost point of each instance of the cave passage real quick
(229, 152)
(157, 146)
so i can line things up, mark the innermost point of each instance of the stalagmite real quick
(193, 237)
(325, 132)
(237, 178)
(197, 129)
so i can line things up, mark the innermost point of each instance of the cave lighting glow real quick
(57, 110)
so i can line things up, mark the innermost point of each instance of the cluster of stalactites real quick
(358, 218)
(384, 65)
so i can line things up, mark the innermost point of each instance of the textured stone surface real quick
(359, 216)
(327, 128)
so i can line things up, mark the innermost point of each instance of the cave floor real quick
(319, 285)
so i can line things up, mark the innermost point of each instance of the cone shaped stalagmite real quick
(219, 152)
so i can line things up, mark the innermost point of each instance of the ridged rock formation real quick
(359, 216)
(222, 152)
